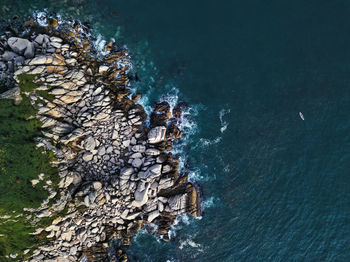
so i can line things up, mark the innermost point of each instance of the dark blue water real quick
(276, 188)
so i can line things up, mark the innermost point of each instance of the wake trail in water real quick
(224, 124)
(206, 142)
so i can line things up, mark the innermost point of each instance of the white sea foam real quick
(143, 232)
(224, 124)
(40, 17)
(205, 142)
(209, 202)
(189, 242)
(144, 101)
(100, 45)
(172, 97)
(195, 175)
(187, 125)
(227, 168)
(180, 220)
(172, 260)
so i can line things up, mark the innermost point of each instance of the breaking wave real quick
(190, 243)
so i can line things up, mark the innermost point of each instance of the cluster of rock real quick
(116, 174)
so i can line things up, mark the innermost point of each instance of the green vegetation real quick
(26, 82)
(20, 162)
(15, 236)
(45, 94)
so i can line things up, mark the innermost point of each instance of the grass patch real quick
(20, 159)
(15, 237)
(20, 162)
(26, 82)
(45, 94)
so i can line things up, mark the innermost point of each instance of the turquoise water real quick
(275, 188)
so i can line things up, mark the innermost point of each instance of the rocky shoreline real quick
(117, 174)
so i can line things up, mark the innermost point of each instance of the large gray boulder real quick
(156, 134)
(178, 202)
(29, 52)
(153, 215)
(141, 197)
(39, 39)
(8, 55)
(21, 46)
(154, 171)
(126, 172)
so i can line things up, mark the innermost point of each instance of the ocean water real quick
(275, 187)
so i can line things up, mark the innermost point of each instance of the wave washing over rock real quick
(117, 174)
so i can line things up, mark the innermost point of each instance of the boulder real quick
(126, 172)
(39, 39)
(115, 134)
(102, 69)
(109, 149)
(69, 99)
(30, 51)
(55, 45)
(97, 185)
(97, 91)
(153, 215)
(139, 148)
(8, 55)
(132, 216)
(19, 45)
(152, 152)
(90, 143)
(58, 91)
(41, 60)
(166, 169)
(154, 171)
(157, 134)
(126, 143)
(141, 197)
(86, 201)
(56, 220)
(14, 93)
(56, 39)
(101, 116)
(173, 132)
(19, 60)
(101, 150)
(71, 62)
(160, 206)
(87, 156)
(178, 202)
(69, 180)
(136, 155)
(137, 162)
(67, 236)
(165, 183)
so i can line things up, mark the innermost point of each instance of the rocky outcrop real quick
(156, 135)
(115, 175)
